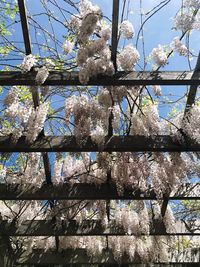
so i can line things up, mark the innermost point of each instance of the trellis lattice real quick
(82, 191)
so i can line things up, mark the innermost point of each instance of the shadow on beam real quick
(84, 191)
(158, 143)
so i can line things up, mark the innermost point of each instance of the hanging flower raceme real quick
(68, 46)
(159, 56)
(86, 114)
(21, 211)
(130, 171)
(28, 62)
(147, 123)
(58, 165)
(2, 174)
(17, 111)
(169, 220)
(127, 30)
(94, 59)
(75, 170)
(42, 75)
(132, 221)
(179, 47)
(36, 121)
(184, 21)
(157, 90)
(86, 7)
(87, 27)
(98, 135)
(12, 96)
(93, 55)
(128, 58)
(167, 172)
(195, 4)
(105, 33)
(37, 173)
(191, 123)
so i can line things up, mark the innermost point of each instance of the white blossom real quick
(87, 27)
(28, 62)
(86, 7)
(49, 63)
(179, 47)
(68, 46)
(147, 123)
(74, 23)
(84, 76)
(36, 122)
(82, 56)
(98, 135)
(12, 96)
(159, 56)
(191, 124)
(42, 75)
(192, 4)
(104, 97)
(2, 173)
(169, 220)
(105, 33)
(58, 164)
(128, 58)
(116, 117)
(127, 30)
(157, 90)
(184, 21)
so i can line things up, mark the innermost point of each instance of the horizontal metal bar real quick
(171, 264)
(78, 256)
(132, 78)
(159, 143)
(84, 191)
(73, 228)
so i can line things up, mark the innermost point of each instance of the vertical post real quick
(193, 88)
(25, 28)
(115, 19)
(2, 251)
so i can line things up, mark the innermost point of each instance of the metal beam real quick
(132, 78)
(190, 101)
(114, 43)
(73, 228)
(84, 191)
(79, 256)
(25, 28)
(171, 264)
(33, 89)
(193, 88)
(136, 143)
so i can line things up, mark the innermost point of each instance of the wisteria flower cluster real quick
(128, 58)
(28, 62)
(28, 122)
(87, 115)
(127, 30)
(93, 55)
(123, 109)
(188, 17)
(159, 56)
(179, 47)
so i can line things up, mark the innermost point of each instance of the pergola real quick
(107, 191)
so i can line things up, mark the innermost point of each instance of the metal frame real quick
(46, 144)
